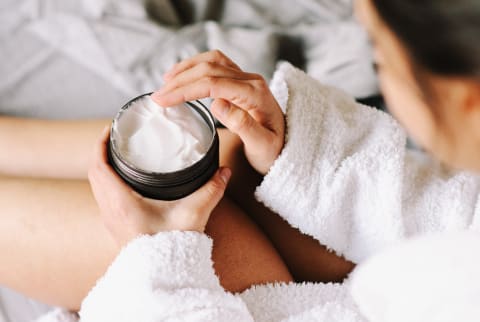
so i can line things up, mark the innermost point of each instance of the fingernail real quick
(225, 174)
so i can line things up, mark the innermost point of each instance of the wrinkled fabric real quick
(70, 59)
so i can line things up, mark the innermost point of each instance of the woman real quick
(350, 183)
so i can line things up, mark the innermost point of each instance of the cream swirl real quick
(158, 139)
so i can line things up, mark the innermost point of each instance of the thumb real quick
(240, 122)
(205, 199)
(235, 118)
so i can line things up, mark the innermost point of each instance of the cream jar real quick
(164, 153)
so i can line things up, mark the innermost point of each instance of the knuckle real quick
(211, 80)
(207, 66)
(121, 209)
(258, 77)
(94, 170)
(99, 168)
(241, 122)
(218, 54)
(219, 57)
(261, 84)
(215, 187)
(185, 97)
(211, 191)
(251, 88)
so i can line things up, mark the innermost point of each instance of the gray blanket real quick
(78, 59)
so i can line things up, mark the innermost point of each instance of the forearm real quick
(45, 148)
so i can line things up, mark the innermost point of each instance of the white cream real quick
(158, 139)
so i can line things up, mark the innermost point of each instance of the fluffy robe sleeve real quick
(430, 278)
(346, 178)
(153, 280)
(170, 277)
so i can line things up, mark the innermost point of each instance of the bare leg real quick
(47, 143)
(50, 149)
(54, 247)
(243, 256)
(52, 243)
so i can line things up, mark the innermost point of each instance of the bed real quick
(67, 59)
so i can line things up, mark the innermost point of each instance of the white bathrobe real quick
(345, 178)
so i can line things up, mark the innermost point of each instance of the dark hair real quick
(442, 36)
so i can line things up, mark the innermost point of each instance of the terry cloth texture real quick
(346, 177)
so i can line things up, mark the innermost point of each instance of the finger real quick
(239, 92)
(245, 94)
(205, 199)
(111, 194)
(203, 70)
(241, 123)
(102, 144)
(214, 56)
(99, 162)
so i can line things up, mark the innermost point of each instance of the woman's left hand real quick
(127, 214)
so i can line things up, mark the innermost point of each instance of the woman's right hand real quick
(243, 102)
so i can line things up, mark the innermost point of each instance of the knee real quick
(243, 256)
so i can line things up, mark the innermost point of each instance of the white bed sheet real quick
(15, 307)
